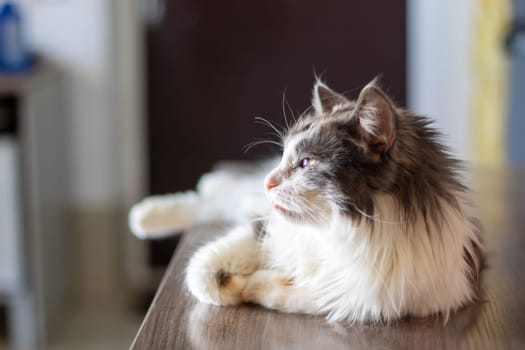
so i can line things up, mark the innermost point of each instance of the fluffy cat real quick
(366, 219)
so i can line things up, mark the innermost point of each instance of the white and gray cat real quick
(365, 219)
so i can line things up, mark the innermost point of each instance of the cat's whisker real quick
(373, 218)
(308, 212)
(288, 200)
(251, 145)
(305, 112)
(284, 110)
(294, 118)
(313, 213)
(260, 142)
(266, 122)
(308, 207)
(316, 211)
(318, 217)
(285, 102)
(275, 135)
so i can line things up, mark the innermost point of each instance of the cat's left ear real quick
(376, 115)
(325, 99)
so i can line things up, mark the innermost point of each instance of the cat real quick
(366, 219)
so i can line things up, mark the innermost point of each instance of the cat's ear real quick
(325, 99)
(376, 115)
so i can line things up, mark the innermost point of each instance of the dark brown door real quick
(213, 66)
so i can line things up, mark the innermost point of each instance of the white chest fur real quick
(392, 269)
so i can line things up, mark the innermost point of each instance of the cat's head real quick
(337, 156)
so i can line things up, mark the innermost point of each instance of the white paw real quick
(157, 216)
(217, 288)
(267, 288)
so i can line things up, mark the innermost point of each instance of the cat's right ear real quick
(325, 99)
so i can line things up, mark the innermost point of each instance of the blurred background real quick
(103, 102)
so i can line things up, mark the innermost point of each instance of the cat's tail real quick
(161, 216)
(222, 195)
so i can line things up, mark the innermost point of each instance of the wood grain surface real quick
(176, 320)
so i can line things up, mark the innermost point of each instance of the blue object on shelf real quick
(14, 54)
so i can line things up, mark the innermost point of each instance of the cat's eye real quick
(305, 162)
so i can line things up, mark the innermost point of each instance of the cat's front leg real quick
(277, 290)
(217, 273)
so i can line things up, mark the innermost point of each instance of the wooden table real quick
(176, 321)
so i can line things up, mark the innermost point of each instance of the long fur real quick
(369, 219)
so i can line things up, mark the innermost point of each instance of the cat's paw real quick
(268, 288)
(219, 289)
(156, 216)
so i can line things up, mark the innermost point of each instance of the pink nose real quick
(271, 183)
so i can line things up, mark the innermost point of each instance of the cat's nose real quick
(270, 183)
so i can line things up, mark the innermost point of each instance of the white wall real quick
(78, 35)
(99, 45)
(440, 67)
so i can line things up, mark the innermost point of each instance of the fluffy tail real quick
(161, 216)
(222, 195)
